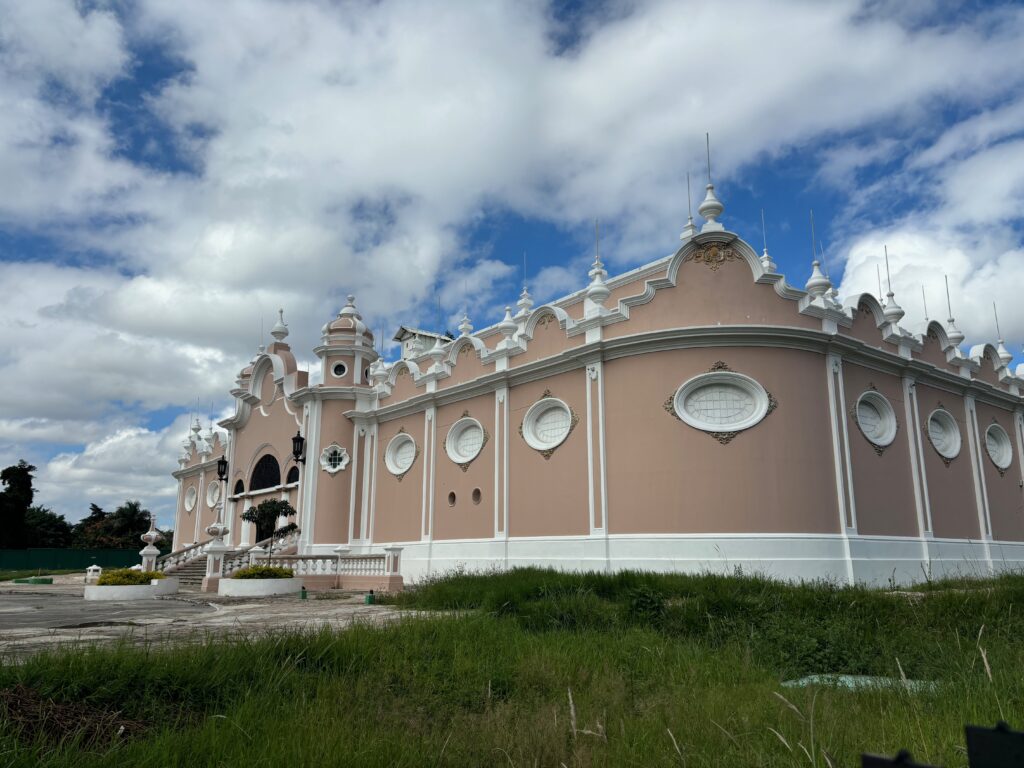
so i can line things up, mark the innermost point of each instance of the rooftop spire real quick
(952, 332)
(597, 291)
(712, 207)
(280, 329)
(818, 284)
(893, 312)
(1002, 351)
(766, 261)
(466, 327)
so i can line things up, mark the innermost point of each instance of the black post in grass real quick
(999, 747)
(901, 760)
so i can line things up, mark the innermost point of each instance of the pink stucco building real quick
(694, 413)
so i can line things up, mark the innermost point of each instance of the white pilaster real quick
(978, 471)
(837, 421)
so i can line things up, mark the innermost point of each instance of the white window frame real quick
(1005, 458)
(533, 414)
(949, 423)
(455, 432)
(213, 493)
(762, 403)
(394, 445)
(191, 498)
(325, 462)
(885, 413)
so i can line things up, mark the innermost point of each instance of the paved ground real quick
(37, 617)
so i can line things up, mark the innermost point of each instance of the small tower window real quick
(339, 370)
(293, 475)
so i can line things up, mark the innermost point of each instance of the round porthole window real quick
(477, 495)
(465, 440)
(400, 454)
(547, 423)
(944, 434)
(212, 494)
(998, 445)
(451, 498)
(339, 370)
(191, 495)
(721, 401)
(876, 419)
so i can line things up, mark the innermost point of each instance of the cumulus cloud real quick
(322, 148)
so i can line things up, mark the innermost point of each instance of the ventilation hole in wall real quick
(451, 498)
(476, 495)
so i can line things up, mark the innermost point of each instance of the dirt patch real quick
(34, 717)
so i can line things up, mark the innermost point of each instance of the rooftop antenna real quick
(690, 229)
(949, 304)
(996, 313)
(597, 243)
(924, 300)
(888, 277)
(878, 274)
(707, 140)
(764, 232)
(814, 256)
(524, 270)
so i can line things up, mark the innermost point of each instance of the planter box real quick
(168, 585)
(259, 587)
(133, 592)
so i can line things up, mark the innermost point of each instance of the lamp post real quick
(218, 530)
(298, 451)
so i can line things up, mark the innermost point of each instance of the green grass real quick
(669, 670)
(9, 575)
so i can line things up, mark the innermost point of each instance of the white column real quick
(977, 469)
(840, 447)
(917, 467)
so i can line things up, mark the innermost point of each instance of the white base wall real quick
(878, 561)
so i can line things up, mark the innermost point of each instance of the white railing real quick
(244, 557)
(341, 564)
(175, 560)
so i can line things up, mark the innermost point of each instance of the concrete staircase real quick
(190, 576)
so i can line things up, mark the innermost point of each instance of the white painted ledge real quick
(258, 587)
(130, 592)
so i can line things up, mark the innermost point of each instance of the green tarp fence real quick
(64, 559)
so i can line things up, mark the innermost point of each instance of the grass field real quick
(537, 668)
(9, 575)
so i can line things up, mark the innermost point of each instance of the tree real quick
(119, 529)
(15, 500)
(45, 528)
(266, 515)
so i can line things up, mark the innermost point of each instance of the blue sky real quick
(171, 174)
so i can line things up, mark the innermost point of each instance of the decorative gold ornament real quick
(546, 320)
(714, 255)
(719, 366)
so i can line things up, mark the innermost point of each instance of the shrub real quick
(126, 577)
(263, 572)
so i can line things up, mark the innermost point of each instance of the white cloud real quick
(344, 147)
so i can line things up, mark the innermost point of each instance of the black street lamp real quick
(222, 469)
(298, 446)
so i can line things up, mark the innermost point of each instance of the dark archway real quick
(293, 476)
(239, 488)
(266, 474)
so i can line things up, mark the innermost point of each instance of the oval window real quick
(998, 445)
(400, 454)
(465, 440)
(547, 423)
(212, 493)
(721, 401)
(190, 498)
(944, 434)
(876, 419)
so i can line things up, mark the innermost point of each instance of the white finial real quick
(1001, 350)
(893, 312)
(280, 330)
(766, 261)
(525, 303)
(690, 229)
(508, 327)
(437, 353)
(196, 426)
(712, 207)
(466, 327)
(953, 333)
(818, 283)
(597, 291)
